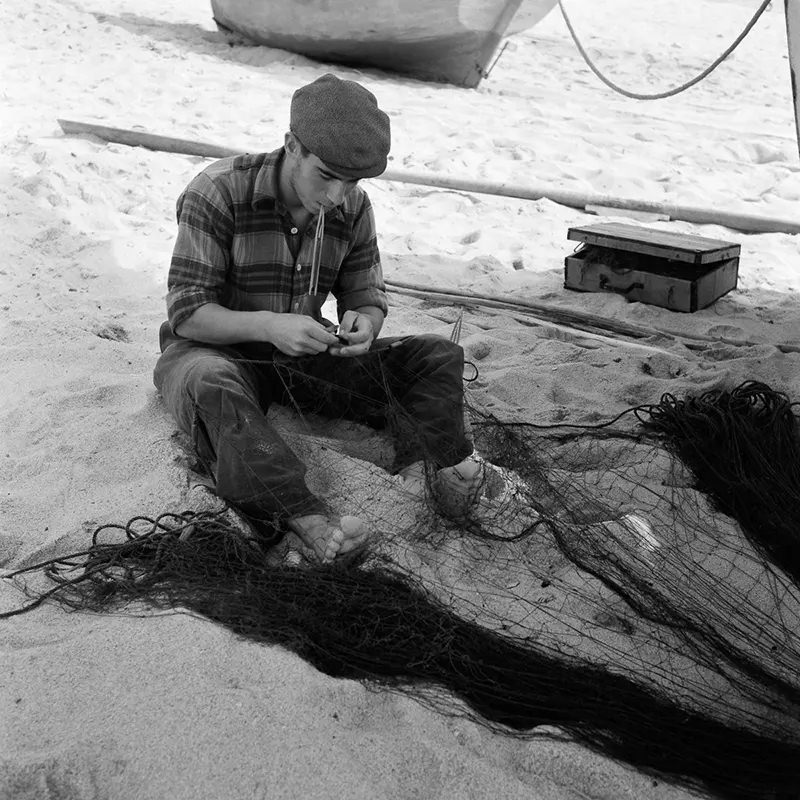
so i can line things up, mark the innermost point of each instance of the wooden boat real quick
(439, 40)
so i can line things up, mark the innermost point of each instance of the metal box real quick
(646, 265)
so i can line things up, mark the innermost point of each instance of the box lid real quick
(654, 242)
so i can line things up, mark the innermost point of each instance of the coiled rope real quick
(670, 92)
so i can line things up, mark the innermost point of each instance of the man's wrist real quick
(261, 325)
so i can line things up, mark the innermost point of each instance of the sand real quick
(131, 707)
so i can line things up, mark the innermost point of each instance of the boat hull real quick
(444, 40)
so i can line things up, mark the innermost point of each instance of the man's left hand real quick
(359, 333)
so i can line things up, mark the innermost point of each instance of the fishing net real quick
(631, 585)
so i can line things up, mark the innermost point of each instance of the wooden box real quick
(646, 265)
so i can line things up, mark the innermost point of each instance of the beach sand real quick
(172, 706)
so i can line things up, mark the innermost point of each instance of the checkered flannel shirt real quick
(232, 246)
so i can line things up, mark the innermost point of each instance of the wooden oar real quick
(747, 223)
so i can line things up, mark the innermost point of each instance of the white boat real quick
(437, 40)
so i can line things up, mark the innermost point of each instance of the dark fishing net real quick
(630, 585)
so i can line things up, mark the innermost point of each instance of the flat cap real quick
(340, 123)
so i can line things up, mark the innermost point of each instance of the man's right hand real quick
(299, 335)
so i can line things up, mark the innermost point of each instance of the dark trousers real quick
(219, 397)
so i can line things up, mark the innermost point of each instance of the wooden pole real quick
(747, 223)
(151, 141)
(578, 320)
(793, 37)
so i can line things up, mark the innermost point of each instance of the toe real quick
(354, 544)
(333, 546)
(355, 533)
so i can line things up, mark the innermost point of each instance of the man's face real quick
(318, 188)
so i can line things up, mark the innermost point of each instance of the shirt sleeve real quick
(201, 256)
(360, 280)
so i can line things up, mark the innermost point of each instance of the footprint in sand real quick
(730, 332)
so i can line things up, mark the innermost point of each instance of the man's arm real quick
(215, 324)
(293, 334)
(359, 285)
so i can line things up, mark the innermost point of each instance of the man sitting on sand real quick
(243, 324)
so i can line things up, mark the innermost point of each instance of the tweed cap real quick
(340, 123)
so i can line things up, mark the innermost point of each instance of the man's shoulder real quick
(235, 180)
(236, 168)
(356, 202)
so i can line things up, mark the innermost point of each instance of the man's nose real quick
(336, 192)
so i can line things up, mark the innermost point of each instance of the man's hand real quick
(299, 335)
(358, 331)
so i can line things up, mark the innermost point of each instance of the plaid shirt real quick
(232, 246)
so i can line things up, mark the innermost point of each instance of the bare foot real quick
(456, 488)
(459, 487)
(327, 539)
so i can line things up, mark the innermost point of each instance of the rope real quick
(670, 92)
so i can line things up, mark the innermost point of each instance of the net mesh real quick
(631, 585)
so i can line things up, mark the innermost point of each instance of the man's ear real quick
(291, 144)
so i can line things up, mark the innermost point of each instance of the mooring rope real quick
(670, 92)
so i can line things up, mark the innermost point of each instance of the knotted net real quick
(631, 585)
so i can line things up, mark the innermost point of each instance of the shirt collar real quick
(266, 183)
(265, 188)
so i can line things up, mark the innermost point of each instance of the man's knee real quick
(431, 345)
(208, 380)
(199, 377)
(431, 353)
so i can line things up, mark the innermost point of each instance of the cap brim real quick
(349, 172)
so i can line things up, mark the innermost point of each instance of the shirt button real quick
(294, 230)
(298, 267)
